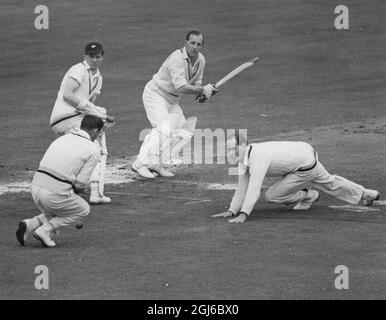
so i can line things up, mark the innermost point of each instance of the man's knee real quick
(85, 212)
(270, 196)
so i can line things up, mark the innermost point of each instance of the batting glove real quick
(208, 90)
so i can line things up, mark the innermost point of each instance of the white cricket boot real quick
(143, 172)
(369, 196)
(311, 197)
(43, 234)
(95, 197)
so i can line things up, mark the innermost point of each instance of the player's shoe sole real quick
(20, 232)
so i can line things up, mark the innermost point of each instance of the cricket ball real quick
(79, 225)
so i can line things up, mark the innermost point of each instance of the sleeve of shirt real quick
(177, 73)
(83, 177)
(77, 73)
(257, 170)
(201, 72)
(239, 194)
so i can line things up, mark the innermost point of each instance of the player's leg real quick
(97, 180)
(293, 189)
(40, 226)
(157, 111)
(342, 188)
(28, 226)
(61, 210)
(183, 135)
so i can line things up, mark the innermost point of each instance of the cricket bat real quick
(201, 98)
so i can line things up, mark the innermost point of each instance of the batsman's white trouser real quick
(97, 179)
(168, 135)
(288, 189)
(60, 209)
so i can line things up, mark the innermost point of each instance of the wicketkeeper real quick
(76, 97)
(299, 169)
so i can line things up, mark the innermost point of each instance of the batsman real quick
(181, 73)
(76, 98)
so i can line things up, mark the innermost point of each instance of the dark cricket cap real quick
(93, 48)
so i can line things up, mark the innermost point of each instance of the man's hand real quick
(223, 214)
(209, 90)
(79, 191)
(239, 219)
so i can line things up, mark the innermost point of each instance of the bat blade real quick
(236, 71)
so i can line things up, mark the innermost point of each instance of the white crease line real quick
(192, 200)
(128, 193)
(195, 202)
(354, 208)
(174, 197)
(380, 203)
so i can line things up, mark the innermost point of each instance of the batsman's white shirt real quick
(175, 72)
(89, 85)
(71, 158)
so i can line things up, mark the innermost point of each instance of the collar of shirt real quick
(88, 68)
(83, 134)
(186, 56)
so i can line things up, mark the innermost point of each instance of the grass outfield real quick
(312, 82)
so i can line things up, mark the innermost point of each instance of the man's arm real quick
(238, 197)
(177, 74)
(257, 170)
(69, 92)
(84, 175)
(85, 106)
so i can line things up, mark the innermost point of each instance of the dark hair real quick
(94, 48)
(195, 33)
(91, 122)
(240, 138)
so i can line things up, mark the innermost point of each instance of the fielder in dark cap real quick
(76, 98)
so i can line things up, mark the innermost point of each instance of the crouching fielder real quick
(63, 173)
(78, 92)
(181, 73)
(299, 168)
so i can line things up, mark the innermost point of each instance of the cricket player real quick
(298, 166)
(181, 73)
(76, 97)
(64, 172)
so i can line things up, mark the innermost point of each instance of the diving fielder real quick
(181, 73)
(78, 91)
(298, 166)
